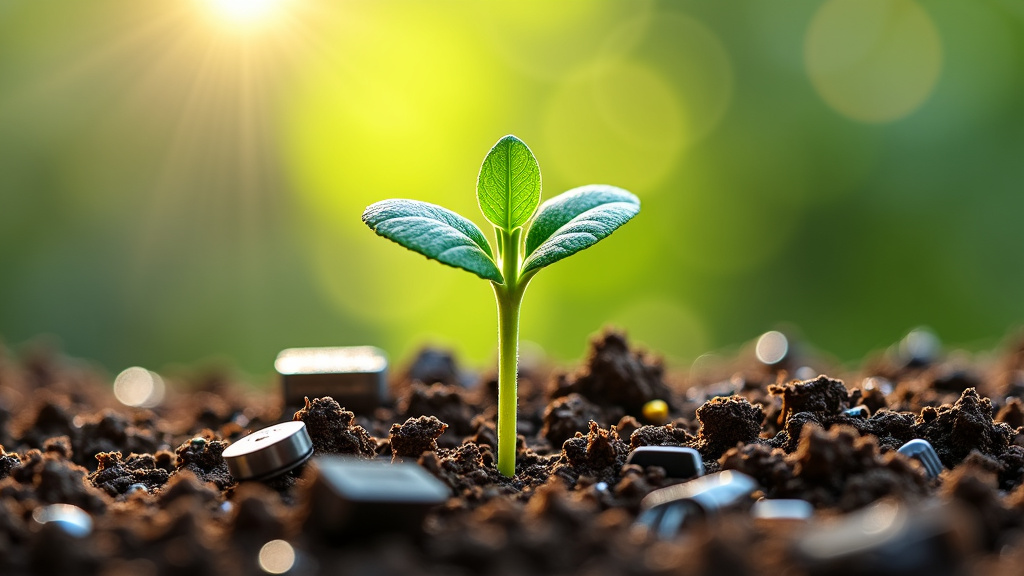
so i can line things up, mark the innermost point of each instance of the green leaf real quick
(436, 233)
(575, 220)
(508, 186)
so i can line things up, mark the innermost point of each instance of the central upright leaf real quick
(508, 186)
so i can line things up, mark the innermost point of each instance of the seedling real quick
(508, 191)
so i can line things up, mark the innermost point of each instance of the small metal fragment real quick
(356, 376)
(858, 412)
(269, 452)
(678, 461)
(712, 492)
(71, 519)
(356, 497)
(782, 509)
(877, 382)
(667, 510)
(922, 451)
(134, 488)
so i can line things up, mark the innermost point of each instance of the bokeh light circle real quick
(139, 388)
(873, 61)
(277, 557)
(772, 347)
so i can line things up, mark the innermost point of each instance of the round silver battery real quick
(268, 452)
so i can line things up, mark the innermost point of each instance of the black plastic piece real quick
(678, 461)
(355, 498)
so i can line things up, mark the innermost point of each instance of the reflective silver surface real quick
(355, 376)
(782, 509)
(270, 451)
(667, 510)
(922, 451)
(71, 519)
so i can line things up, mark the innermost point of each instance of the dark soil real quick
(416, 436)
(163, 502)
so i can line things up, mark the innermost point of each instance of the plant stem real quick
(508, 353)
(509, 297)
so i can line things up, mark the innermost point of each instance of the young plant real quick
(508, 191)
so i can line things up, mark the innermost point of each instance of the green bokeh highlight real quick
(172, 189)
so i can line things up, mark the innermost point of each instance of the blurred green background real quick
(182, 180)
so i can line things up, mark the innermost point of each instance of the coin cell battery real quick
(269, 452)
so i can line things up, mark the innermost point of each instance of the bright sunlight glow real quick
(246, 13)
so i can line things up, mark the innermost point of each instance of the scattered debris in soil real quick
(571, 506)
(117, 476)
(835, 469)
(202, 457)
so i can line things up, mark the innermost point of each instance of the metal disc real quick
(270, 451)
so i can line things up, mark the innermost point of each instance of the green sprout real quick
(508, 191)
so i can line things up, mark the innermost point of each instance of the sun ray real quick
(203, 94)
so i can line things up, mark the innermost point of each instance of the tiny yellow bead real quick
(656, 411)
